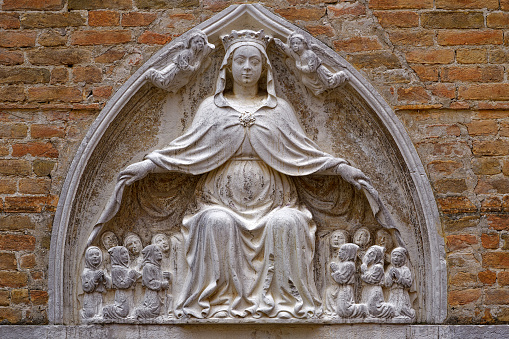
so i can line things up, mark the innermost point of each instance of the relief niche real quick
(246, 173)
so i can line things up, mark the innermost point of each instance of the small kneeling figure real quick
(399, 279)
(92, 281)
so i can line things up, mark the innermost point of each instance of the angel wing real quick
(167, 56)
(322, 52)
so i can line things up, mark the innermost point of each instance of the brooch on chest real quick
(247, 119)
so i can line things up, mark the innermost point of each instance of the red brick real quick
(53, 38)
(45, 5)
(103, 18)
(445, 167)
(306, 14)
(59, 75)
(357, 44)
(499, 222)
(20, 296)
(47, 20)
(490, 204)
(498, 91)
(37, 149)
(471, 56)
(504, 129)
(466, 4)
(463, 19)
(400, 4)
(492, 185)
(100, 4)
(495, 259)
(411, 38)
(10, 315)
(4, 298)
(425, 56)
(87, 38)
(9, 58)
(450, 185)
(12, 93)
(490, 147)
(402, 19)
(8, 261)
(482, 127)
(473, 73)
(27, 261)
(426, 73)
(447, 91)
(13, 131)
(152, 38)
(46, 131)
(470, 37)
(463, 279)
(485, 166)
(13, 75)
(447, 149)
(39, 297)
(30, 204)
(320, 30)
(413, 94)
(374, 60)
(487, 277)
(505, 167)
(34, 186)
(456, 205)
(497, 20)
(504, 5)
(497, 297)
(7, 186)
(138, 19)
(463, 297)
(346, 8)
(490, 241)
(183, 16)
(48, 94)
(458, 242)
(503, 278)
(15, 242)
(9, 21)
(102, 92)
(13, 279)
(17, 39)
(109, 56)
(88, 74)
(58, 56)
(14, 167)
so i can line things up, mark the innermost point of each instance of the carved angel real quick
(314, 75)
(184, 65)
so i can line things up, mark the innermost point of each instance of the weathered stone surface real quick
(43, 20)
(24, 75)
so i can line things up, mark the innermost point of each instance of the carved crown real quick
(245, 36)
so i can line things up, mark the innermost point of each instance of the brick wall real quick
(441, 64)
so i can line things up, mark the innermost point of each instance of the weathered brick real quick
(504, 129)
(46, 20)
(466, 4)
(505, 167)
(14, 222)
(401, 19)
(9, 58)
(400, 4)
(426, 73)
(463, 19)
(487, 277)
(39, 297)
(447, 91)
(499, 57)
(497, 91)
(503, 278)
(20, 296)
(450, 185)
(490, 240)
(497, 297)
(25, 75)
(471, 56)
(4, 298)
(87, 38)
(497, 20)
(306, 14)
(163, 4)
(495, 260)
(357, 44)
(482, 127)
(103, 18)
(138, 19)
(504, 5)
(492, 185)
(16, 242)
(412, 38)
(52, 56)
(10, 315)
(11, 93)
(486, 166)
(9, 21)
(46, 131)
(8, 261)
(461, 241)
(17, 39)
(470, 37)
(463, 279)
(14, 167)
(37, 5)
(99, 4)
(456, 205)
(320, 30)
(14, 131)
(473, 73)
(47, 94)
(59, 75)
(13, 279)
(498, 222)
(34, 186)
(446, 149)
(8, 186)
(463, 297)
(413, 94)
(374, 60)
(109, 56)
(153, 38)
(43, 167)
(30, 204)
(425, 56)
(27, 261)
(102, 92)
(346, 8)
(88, 74)
(490, 147)
(37, 149)
(505, 239)
(52, 38)
(445, 167)
(460, 224)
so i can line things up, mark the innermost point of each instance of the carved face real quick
(370, 256)
(383, 238)
(109, 240)
(158, 255)
(197, 44)
(124, 256)
(361, 237)
(134, 245)
(247, 65)
(337, 239)
(162, 241)
(398, 258)
(94, 256)
(297, 45)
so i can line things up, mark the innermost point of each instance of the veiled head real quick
(93, 257)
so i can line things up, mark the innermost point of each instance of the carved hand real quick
(352, 175)
(136, 171)
(334, 266)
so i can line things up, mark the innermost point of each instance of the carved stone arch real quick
(127, 128)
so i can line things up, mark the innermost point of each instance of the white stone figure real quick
(122, 280)
(93, 281)
(343, 274)
(384, 239)
(372, 273)
(109, 240)
(250, 242)
(133, 243)
(336, 239)
(164, 244)
(313, 74)
(185, 64)
(399, 279)
(155, 281)
(362, 238)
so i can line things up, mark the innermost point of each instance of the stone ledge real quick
(372, 331)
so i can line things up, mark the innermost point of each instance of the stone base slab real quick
(361, 331)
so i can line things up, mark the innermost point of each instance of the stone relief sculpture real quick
(122, 280)
(187, 62)
(248, 236)
(399, 279)
(313, 74)
(93, 282)
(109, 240)
(154, 281)
(372, 273)
(362, 238)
